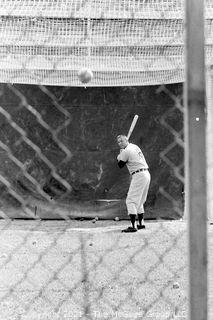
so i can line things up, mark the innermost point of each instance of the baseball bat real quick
(135, 119)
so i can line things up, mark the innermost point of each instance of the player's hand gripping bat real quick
(135, 119)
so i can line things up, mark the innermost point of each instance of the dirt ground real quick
(90, 270)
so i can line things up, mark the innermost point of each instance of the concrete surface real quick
(86, 270)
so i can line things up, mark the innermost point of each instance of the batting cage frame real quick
(65, 269)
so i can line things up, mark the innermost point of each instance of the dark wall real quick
(87, 121)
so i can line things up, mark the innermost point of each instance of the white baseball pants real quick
(137, 193)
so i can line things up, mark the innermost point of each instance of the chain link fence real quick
(62, 254)
(70, 269)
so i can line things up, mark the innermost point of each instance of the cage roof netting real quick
(123, 42)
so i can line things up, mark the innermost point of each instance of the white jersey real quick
(134, 158)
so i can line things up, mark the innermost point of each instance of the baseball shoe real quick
(129, 229)
(141, 227)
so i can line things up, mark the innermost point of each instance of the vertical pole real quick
(195, 158)
(210, 143)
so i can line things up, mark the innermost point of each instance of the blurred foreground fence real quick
(58, 156)
(69, 269)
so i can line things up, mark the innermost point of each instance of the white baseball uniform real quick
(140, 181)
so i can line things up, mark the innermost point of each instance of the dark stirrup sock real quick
(132, 219)
(140, 218)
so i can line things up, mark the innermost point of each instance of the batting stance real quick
(132, 156)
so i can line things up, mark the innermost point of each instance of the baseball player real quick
(132, 156)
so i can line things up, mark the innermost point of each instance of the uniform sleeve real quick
(123, 156)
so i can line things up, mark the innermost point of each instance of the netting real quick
(124, 42)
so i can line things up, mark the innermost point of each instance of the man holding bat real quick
(132, 156)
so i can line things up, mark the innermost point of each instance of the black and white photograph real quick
(106, 160)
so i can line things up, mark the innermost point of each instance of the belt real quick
(139, 170)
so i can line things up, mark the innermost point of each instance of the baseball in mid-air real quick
(85, 75)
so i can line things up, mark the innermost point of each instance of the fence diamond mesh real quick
(62, 204)
(70, 269)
